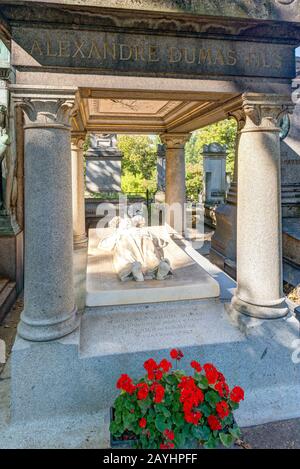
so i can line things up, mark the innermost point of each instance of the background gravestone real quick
(161, 167)
(214, 173)
(103, 164)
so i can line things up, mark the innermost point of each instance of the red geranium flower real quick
(214, 423)
(192, 417)
(167, 445)
(158, 374)
(159, 392)
(126, 384)
(222, 388)
(165, 365)
(143, 422)
(196, 366)
(222, 409)
(176, 354)
(143, 391)
(211, 373)
(169, 434)
(237, 394)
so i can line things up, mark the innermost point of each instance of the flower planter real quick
(169, 409)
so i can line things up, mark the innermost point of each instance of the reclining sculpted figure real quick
(137, 252)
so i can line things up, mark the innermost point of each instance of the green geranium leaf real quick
(179, 440)
(128, 405)
(171, 379)
(202, 382)
(205, 409)
(211, 443)
(165, 411)
(226, 439)
(201, 433)
(227, 421)
(128, 420)
(161, 423)
(234, 405)
(235, 432)
(212, 397)
(178, 419)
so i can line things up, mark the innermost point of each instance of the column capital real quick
(47, 111)
(175, 140)
(240, 117)
(263, 112)
(77, 141)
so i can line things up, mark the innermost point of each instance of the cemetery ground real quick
(275, 435)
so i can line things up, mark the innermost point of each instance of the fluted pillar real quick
(259, 290)
(79, 233)
(49, 309)
(175, 179)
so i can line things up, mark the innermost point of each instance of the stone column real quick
(79, 233)
(175, 179)
(259, 245)
(49, 309)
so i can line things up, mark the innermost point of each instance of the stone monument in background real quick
(161, 168)
(103, 164)
(214, 179)
(214, 173)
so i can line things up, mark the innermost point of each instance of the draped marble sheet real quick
(189, 280)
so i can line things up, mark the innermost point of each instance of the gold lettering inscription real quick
(205, 56)
(219, 59)
(175, 55)
(189, 55)
(50, 52)
(78, 50)
(125, 52)
(63, 49)
(109, 50)
(153, 55)
(94, 51)
(231, 57)
(36, 49)
(100, 51)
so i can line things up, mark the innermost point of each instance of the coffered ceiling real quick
(132, 114)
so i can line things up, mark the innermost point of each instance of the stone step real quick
(8, 296)
(3, 283)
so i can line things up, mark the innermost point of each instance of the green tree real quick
(140, 154)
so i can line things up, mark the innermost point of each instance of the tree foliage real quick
(140, 157)
(223, 132)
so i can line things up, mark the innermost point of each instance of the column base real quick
(80, 241)
(43, 331)
(249, 315)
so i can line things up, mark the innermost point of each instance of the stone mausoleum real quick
(151, 67)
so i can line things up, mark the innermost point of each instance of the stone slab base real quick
(104, 288)
(77, 374)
